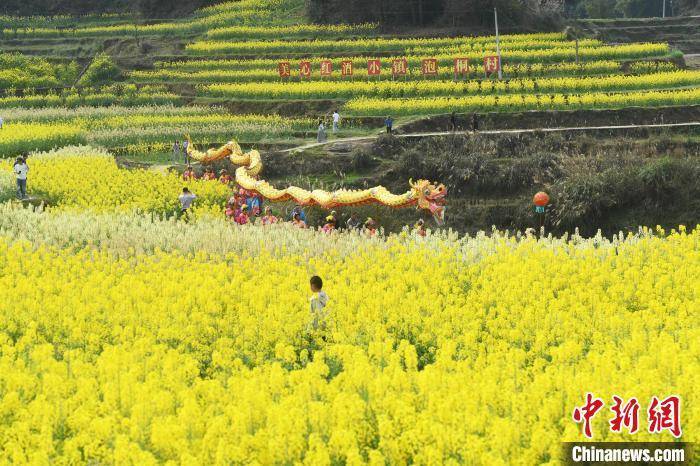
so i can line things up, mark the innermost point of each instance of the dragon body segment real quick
(422, 193)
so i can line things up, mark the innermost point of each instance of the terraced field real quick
(228, 55)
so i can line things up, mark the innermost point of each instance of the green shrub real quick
(102, 70)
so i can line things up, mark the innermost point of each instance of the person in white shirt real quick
(336, 120)
(186, 200)
(0, 122)
(21, 169)
(319, 299)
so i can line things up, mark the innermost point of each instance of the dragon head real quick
(430, 197)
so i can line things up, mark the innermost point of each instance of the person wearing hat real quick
(297, 221)
(242, 217)
(329, 226)
(371, 226)
(298, 210)
(336, 220)
(224, 177)
(420, 227)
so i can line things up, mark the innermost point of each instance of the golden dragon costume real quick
(423, 194)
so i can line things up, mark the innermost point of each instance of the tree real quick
(600, 8)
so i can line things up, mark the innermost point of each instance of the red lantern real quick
(541, 199)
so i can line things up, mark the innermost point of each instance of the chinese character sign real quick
(284, 69)
(374, 67)
(461, 66)
(661, 415)
(626, 415)
(491, 64)
(399, 67)
(326, 68)
(665, 415)
(346, 68)
(429, 67)
(305, 69)
(586, 412)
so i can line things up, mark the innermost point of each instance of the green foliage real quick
(600, 8)
(19, 71)
(102, 70)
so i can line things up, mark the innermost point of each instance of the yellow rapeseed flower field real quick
(78, 178)
(438, 350)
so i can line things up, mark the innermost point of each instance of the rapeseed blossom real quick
(440, 350)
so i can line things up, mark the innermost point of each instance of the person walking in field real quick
(321, 135)
(475, 122)
(389, 123)
(21, 169)
(176, 151)
(185, 154)
(186, 200)
(319, 299)
(453, 122)
(336, 121)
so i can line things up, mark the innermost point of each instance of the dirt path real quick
(499, 131)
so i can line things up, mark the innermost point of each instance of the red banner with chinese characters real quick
(399, 67)
(305, 69)
(284, 70)
(326, 68)
(491, 64)
(374, 67)
(346, 68)
(461, 66)
(429, 67)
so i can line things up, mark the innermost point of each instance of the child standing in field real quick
(21, 169)
(319, 300)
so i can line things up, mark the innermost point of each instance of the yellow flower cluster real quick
(298, 30)
(348, 89)
(222, 71)
(517, 102)
(24, 137)
(438, 350)
(517, 52)
(119, 127)
(85, 178)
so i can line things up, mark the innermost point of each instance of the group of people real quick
(245, 207)
(321, 135)
(209, 174)
(180, 152)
